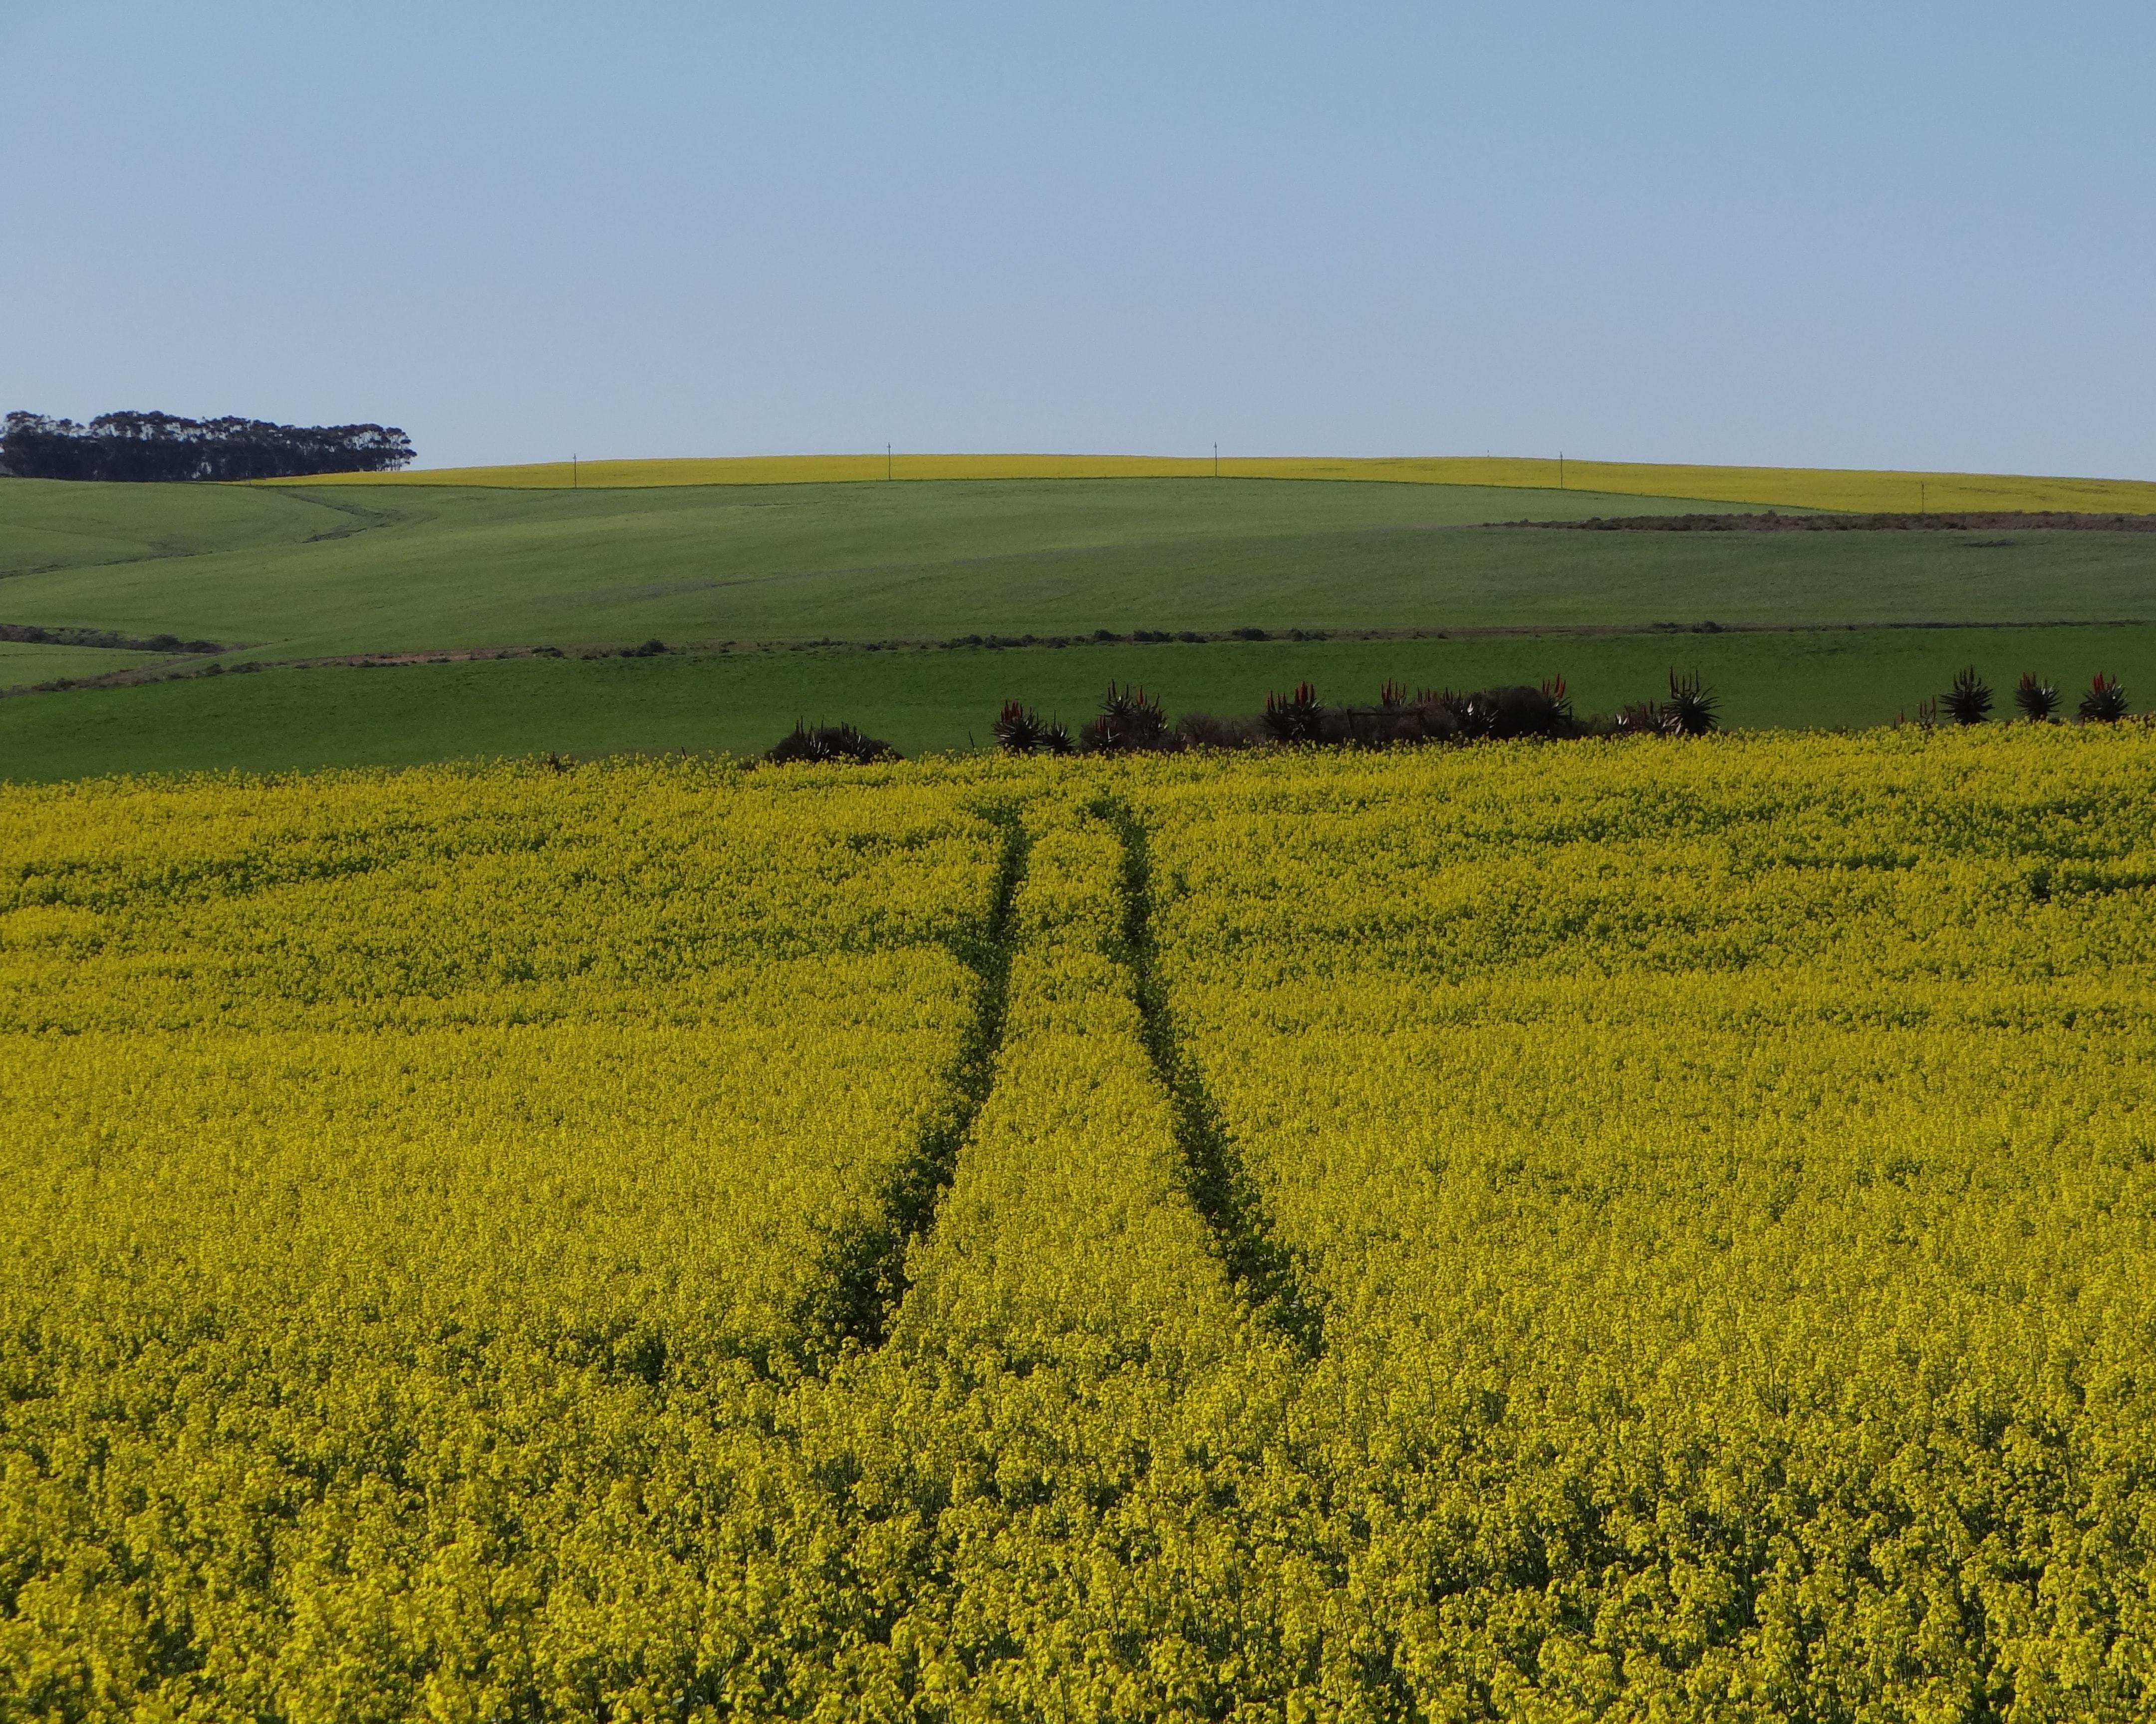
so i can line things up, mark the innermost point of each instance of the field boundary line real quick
(1267, 1275)
(863, 1277)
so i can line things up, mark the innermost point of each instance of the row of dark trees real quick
(151, 446)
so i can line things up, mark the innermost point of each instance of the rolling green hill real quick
(288, 574)
(309, 572)
(297, 573)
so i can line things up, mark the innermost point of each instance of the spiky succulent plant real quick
(1693, 709)
(2105, 702)
(1968, 701)
(2037, 699)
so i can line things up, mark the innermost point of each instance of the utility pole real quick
(572, 472)
(1560, 469)
(886, 461)
(1922, 507)
(1216, 460)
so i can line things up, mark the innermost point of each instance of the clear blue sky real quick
(1874, 235)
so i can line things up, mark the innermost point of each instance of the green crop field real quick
(23, 662)
(307, 573)
(400, 715)
(284, 573)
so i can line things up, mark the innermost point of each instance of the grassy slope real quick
(49, 525)
(278, 720)
(441, 569)
(479, 568)
(1784, 487)
(22, 664)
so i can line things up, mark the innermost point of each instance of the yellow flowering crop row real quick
(1720, 1174)
(1786, 487)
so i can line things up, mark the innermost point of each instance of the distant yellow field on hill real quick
(1786, 487)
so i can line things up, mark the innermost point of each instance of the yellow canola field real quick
(1718, 1175)
(1826, 488)
(1731, 1174)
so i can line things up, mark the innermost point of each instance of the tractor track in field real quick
(864, 1278)
(1265, 1274)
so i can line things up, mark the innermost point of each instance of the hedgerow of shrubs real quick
(826, 744)
(1131, 720)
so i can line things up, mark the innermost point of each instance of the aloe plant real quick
(1693, 708)
(2038, 700)
(1968, 701)
(1018, 729)
(1294, 717)
(2105, 702)
(1129, 718)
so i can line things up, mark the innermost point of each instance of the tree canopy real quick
(142, 446)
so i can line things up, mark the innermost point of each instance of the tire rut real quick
(864, 1280)
(1266, 1275)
